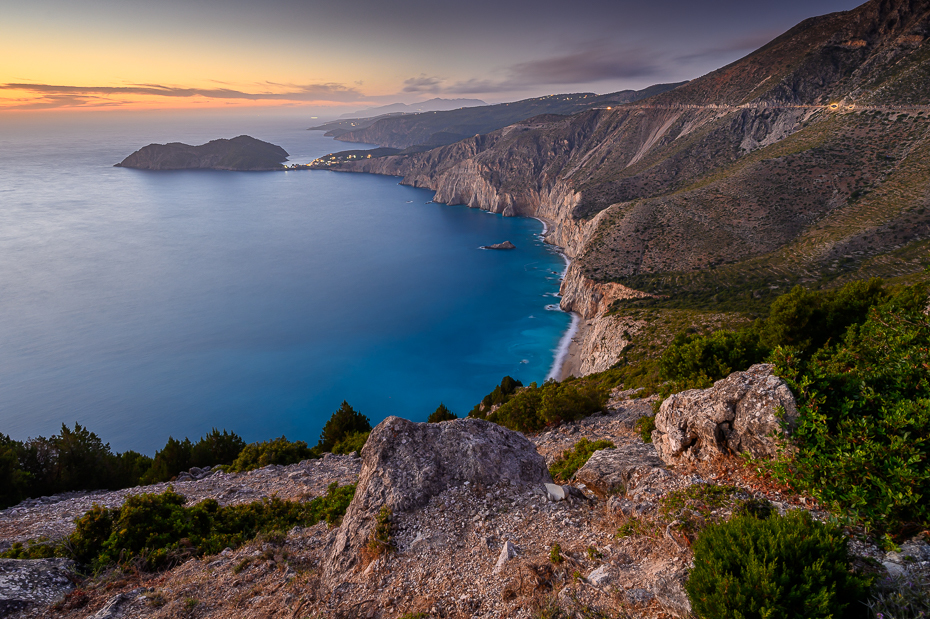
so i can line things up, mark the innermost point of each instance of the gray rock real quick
(185, 476)
(894, 569)
(28, 582)
(600, 576)
(404, 464)
(610, 471)
(555, 492)
(508, 552)
(737, 414)
(670, 593)
(504, 245)
(638, 597)
(116, 606)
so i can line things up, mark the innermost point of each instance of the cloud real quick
(423, 83)
(745, 44)
(595, 63)
(53, 95)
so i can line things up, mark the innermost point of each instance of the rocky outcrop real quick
(404, 464)
(603, 340)
(613, 471)
(33, 582)
(740, 413)
(243, 153)
(504, 245)
(589, 298)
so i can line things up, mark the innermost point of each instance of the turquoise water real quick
(143, 304)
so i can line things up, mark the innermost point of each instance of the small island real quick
(504, 245)
(243, 153)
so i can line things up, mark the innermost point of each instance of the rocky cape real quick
(243, 153)
(805, 161)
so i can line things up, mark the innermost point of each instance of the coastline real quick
(567, 360)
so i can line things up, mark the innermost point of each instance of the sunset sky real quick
(334, 57)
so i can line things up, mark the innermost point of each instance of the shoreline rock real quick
(504, 245)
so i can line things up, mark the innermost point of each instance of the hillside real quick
(243, 153)
(445, 127)
(805, 161)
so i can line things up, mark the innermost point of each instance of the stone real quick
(670, 594)
(404, 464)
(555, 492)
(638, 597)
(504, 245)
(736, 415)
(609, 471)
(600, 576)
(114, 607)
(28, 582)
(508, 552)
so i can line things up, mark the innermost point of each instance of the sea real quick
(146, 304)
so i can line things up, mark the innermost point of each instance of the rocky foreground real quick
(478, 527)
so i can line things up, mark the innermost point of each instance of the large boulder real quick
(404, 464)
(612, 471)
(738, 414)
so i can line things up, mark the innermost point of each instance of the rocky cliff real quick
(243, 153)
(804, 161)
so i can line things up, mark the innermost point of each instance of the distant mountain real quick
(243, 153)
(433, 105)
(432, 129)
(807, 161)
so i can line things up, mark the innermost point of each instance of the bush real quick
(498, 396)
(153, 531)
(696, 361)
(645, 426)
(276, 451)
(441, 414)
(780, 567)
(343, 422)
(863, 433)
(216, 448)
(534, 408)
(354, 441)
(570, 460)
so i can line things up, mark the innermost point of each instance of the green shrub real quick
(170, 460)
(153, 531)
(570, 460)
(777, 568)
(507, 387)
(216, 448)
(696, 361)
(901, 598)
(534, 408)
(555, 554)
(442, 413)
(381, 539)
(353, 441)
(276, 451)
(343, 422)
(863, 433)
(645, 426)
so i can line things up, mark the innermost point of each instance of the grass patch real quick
(570, 460)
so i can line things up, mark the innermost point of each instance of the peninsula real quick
(243, 153)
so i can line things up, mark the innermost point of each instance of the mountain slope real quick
(804, 161)
(432, 129)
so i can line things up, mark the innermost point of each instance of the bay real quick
(147, 304)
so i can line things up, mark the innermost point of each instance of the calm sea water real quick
(148, 304)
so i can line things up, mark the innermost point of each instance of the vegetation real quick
(343, 422)
(498, 396)
(532, 408)
(381, 540)
(442, 413)
(901, 598)
(77, 459)
(570, 460)
(353, 441)
(780, 567)
(863, 435)
(156, 531)
(275, 451)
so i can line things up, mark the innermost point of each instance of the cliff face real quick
(806, 160)
(243, 153)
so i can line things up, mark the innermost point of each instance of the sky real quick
(331, 57)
